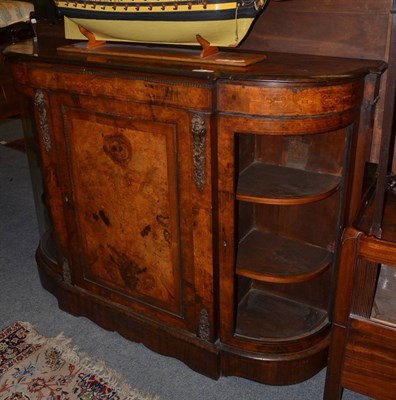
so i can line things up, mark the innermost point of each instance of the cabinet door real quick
(135, 181)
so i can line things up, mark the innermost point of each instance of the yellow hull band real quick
(227, 33)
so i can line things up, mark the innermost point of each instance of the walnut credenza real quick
(198, 208)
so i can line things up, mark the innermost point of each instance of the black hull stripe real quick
(155, 3)
(207, 15)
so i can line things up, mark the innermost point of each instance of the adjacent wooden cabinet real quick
(363, 341)
(198, 208)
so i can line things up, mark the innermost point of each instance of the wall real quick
(341, 28)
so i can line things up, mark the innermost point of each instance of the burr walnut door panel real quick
(123, 179)
(131, 202)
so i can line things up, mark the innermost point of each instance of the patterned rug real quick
(33, 367)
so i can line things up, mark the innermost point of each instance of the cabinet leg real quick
(333, 388)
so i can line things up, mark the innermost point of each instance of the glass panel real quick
(384, 306)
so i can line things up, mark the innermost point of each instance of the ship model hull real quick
(220, 22)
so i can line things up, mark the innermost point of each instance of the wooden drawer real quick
(288, 99)
(166, 91)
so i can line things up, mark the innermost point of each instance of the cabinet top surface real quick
(275, 67)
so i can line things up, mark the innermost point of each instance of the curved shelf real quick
(270, 258)
(265, 317)
(273, 184)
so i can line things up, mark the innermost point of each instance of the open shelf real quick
(270, 258)
(273, 184)
(263, 316)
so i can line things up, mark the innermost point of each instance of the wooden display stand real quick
(207, 55)
(200, 211)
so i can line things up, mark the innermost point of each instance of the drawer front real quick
(288, 100)
(147, 88)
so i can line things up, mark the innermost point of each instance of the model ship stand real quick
(207, 55)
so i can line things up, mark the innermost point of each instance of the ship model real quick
(218, 23)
